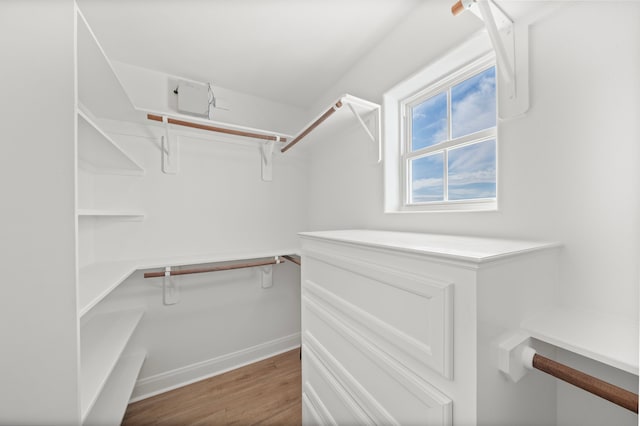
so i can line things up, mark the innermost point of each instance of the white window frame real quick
(407, 154)
(466, 60)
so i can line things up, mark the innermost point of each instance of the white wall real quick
(568, 169)
(38, 327)
(217, 204)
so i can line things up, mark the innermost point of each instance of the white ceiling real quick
(284, 50)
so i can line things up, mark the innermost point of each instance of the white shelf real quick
(102, 342)
(99, 87)
(111, 406)
(606, 338)
(110, 213)
(99, 279)
(98, 153)
(96, 281)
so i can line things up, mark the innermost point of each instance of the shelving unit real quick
(602, 337)
(107, 377)
(103, 340)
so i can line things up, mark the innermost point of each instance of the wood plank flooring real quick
(265, 393)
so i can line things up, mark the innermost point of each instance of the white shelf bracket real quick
(266, 274)
(169, 150)
(515, 356)
(266, 151)
(368, 131)
(510, 41)
(170, 290)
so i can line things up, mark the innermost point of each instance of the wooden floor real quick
(266, 393)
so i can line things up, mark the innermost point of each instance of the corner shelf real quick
(602, 337)
(98, 153)
(102, 342)
(97, 280)
(99, 87)
(111, 406)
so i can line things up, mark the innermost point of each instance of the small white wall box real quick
(193, 98)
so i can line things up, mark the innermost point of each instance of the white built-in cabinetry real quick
(401, 328)
(107, 371)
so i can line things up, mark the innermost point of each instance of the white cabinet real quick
(402, 328)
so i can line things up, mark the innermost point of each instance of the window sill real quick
(461, 207)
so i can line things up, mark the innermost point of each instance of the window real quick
(449, 142)
(440, 136)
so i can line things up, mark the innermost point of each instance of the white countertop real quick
(473, 249)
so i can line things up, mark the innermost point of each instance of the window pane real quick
(429, 122)
(472, 171)
(473, 104)
(427, 182)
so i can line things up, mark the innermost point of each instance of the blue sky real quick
(471, 170)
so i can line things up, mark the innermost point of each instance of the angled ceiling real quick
(288, 51)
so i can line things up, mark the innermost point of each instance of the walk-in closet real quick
(320, 212)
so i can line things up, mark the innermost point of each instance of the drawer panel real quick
(409, 316)
(386, 391)
(326, 398)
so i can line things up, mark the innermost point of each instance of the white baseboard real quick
(163, 382)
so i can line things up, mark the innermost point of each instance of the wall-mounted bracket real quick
(170, 290)
(266, 273)
(169, 150)
(515, 356)
(510, 41)
(266, 151)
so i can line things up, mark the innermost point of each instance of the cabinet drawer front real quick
(386, 392)
(327, 402)
(408, 316)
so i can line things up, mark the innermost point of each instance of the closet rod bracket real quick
(513, 354)
(266, 151)
(510, 41)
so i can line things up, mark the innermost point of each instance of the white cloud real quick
(477, 110)
(478, 176)
(479, 156)
(419, 184)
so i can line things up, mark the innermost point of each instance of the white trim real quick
(182, 376)
(312, 403)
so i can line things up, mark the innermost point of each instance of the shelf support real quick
(367, 130)
(510, 41)
(170, 291)
(266, 151)
(169, 150)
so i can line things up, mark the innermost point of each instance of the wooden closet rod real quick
(214, 268)
(313, 126)
(457, 8)
(615, 394)
(216, 129)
